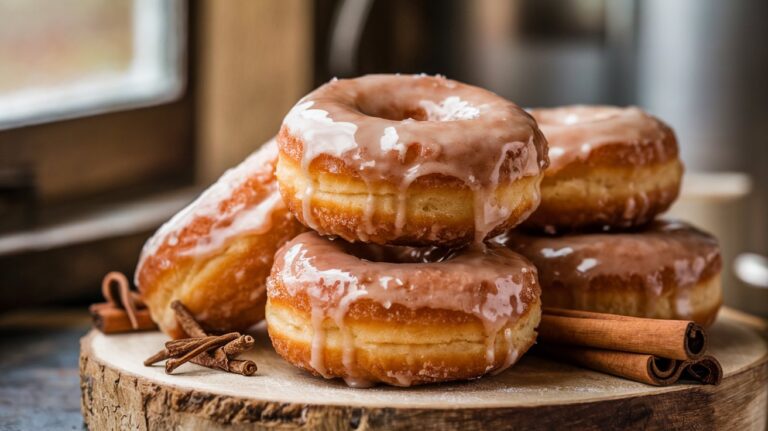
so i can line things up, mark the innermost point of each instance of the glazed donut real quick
(215, 254)
(609, 168)
(411, 160)
(669, 270)
(370, 313)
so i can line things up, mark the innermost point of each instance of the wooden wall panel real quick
(254, 63)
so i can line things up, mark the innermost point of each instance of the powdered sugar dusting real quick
(389, 142)
(587, 264)
(452, 108)
(551, 252)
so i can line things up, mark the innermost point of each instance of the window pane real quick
(67, 58)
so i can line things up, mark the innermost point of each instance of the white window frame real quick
(156, 75)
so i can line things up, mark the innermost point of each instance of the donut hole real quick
(399, 254)
(393, 110)
(451, 108)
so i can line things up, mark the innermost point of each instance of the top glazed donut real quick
(409, 160)
(610, 167)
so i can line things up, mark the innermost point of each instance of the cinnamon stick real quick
(187, 322)
(175, 349)
(111, 320)
(633, 366)
(202, 349)
(674, 339)
(237, 366)
(157, 357)
(238, 345)
(208, 343)
(117, 290)
(706, 370)
(639, 367)
(245, 367)
(184, 345)
(218, 360)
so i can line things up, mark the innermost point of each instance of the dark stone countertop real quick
(39, 379)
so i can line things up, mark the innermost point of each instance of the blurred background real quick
(115, 113)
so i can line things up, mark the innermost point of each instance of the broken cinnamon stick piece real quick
(187, 322)
(111, 320)
(157, 357)
(179, 347)
(245, 367)
(238, 346)
(209, 344)
(675, 339)
(237, 366)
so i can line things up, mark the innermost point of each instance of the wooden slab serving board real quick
(119, 392)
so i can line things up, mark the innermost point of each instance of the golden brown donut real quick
(215, 254)
(398, 315)
(610, 167)
(667, 270)
(413, 160)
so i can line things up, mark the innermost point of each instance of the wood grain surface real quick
(118, 392)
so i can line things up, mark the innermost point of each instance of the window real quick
(71, 58)
(93, 100)
(85, 180)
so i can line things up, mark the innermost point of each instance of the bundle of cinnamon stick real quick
(653, 351)
(201, 348)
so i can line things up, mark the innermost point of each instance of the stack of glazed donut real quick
(401, 178)
(383, 214)
(594, 238)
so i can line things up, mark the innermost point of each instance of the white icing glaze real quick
(512, 353)
(687, 271)
(389, 141)
(550, 252)
(228, 221)
(255, 219)
(449, 109)
(326, 137)
(574, 132)
(587, 264)
(316, 127)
